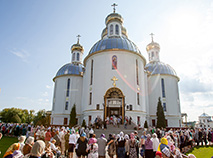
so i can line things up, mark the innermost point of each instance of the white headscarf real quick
(121, 136)
(38, 148)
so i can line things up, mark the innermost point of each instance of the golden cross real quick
(114, 79)
(78, 38)
(152, 34)
(114, 5)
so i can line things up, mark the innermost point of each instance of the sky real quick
(36, 36)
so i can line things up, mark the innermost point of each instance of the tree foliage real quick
(161, 121)
(72, 121)
(145, 124)
(41, 118)
(84, 124)
(16, 115)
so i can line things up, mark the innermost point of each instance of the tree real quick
(145, 124)
(72, 121)
(40, 118)
(16, 119)
(84, 124)
(161, 121)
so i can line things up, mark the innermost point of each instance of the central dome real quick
(114, 43)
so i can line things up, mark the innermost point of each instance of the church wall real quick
(60, 100)
(172, 100)
(103, 73)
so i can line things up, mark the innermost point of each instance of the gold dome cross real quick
(114, 79)
(114, 5)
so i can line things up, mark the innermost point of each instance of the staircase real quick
(115, 130)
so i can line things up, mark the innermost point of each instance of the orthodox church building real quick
(115, 79)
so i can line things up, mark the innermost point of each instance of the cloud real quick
(21, 98)
(45, 94)
(22, 54)
(48, 87)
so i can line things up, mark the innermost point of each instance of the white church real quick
(116, 79)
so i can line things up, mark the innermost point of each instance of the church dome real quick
(114, 43)
(159, 68)
(70, 69)
(113, 16)
(152, 45)
(77, 46)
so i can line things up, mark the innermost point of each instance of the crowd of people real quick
(40, 141)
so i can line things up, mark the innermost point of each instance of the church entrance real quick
(114, 103)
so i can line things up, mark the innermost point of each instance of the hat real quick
(103, 135)
(158, 153)
(83, 134)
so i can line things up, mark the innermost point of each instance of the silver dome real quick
(70, 69)
(114, 42)
(157, 67)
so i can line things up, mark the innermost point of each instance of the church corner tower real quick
(68, 88)
(162, 82)
(77, 52)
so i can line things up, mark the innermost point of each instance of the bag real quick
(142, 152)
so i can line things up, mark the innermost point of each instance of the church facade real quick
(115, 79)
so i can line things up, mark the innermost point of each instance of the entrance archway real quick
(114, 103)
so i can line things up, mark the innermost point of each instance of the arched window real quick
(91, 75)
(78, 56)
(73, 56)
(114, 62)
(163, 88)
(111, 29)
(137, 72)
(116, 29)
(68, 87)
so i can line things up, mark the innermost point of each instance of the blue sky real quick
(36, 36)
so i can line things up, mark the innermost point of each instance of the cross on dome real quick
(114, 5)
(78, 38)
(152, 34)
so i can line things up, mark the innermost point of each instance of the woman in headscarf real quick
(81, 146)
(11, 149)
(121, 146)
(21, 142)
(28, 145)
(132, 146)
(155, 142)
(148, 147)
(38, 149)
(126, 137)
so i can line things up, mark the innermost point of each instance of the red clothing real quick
(48, 136)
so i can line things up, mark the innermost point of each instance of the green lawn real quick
(5, 143)
(202, 152)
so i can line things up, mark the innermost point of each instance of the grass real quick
(5, 143)
(202, 151)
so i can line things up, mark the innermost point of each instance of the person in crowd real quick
(28, 145)
(66, 137)
(21, 142)
(56, 151)
(155, 142)
(11, 149)
(111, 146)
(148, 147)
(133, 146)
(81, 146)
(121, 146)
(126, 137)
(37, 149)
(102, 142)
(48, 135)
(72, 142)
(57, 138)
(92, 148)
